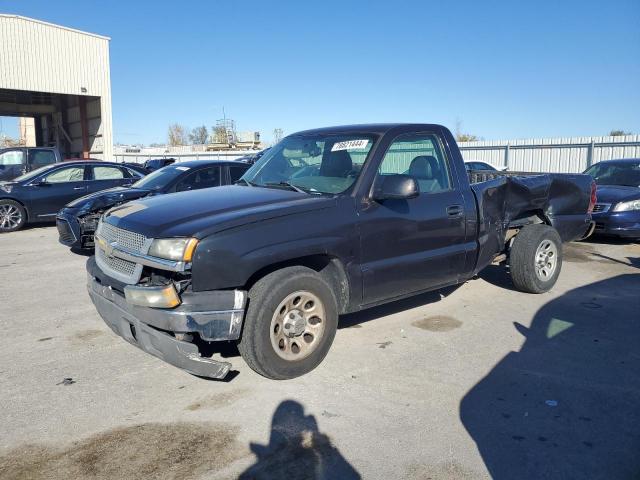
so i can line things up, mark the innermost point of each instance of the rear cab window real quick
(40, 158)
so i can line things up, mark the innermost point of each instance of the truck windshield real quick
(160, 178)
(319, 163)
(616, 173)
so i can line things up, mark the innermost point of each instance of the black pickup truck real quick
(328, 221)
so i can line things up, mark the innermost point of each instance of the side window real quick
(13, 157)
(107, 173)
(420, 156)
(235, 172)
(205, 178)
(40, 158)
(69, 174)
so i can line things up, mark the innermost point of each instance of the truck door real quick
(13, 163)
(419, 243)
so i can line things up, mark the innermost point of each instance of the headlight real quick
(626, 206)
(89, 221)
(179, 249)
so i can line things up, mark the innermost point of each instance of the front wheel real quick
(290, 323)
(12, 216)
(535, 259)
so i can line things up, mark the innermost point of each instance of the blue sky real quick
(505, 69)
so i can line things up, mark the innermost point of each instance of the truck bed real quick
(509, 201)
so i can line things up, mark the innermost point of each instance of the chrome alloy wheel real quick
(297, 325)
(10, 217)
(546, 259)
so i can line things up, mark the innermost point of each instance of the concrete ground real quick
(473, 382)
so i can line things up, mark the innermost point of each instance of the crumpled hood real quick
(106, 198)
(200, 213)
(615, 193)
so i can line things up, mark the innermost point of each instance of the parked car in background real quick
(156, 163)
(77, 221)
(252, 158)
(16, 161)
(329, 221)
(135, 166)
(38, 195)
(482, 166)
(617, 211)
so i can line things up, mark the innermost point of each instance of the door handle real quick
(78, 188)
(454, 210)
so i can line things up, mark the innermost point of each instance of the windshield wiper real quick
(291, 186)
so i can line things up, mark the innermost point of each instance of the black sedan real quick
(78, 220)
(154, 164)
(38, 195)
(617, 210)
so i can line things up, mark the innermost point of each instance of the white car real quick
(474, 165)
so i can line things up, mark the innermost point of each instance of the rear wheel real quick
(535, 259)
(290, 323)
(13, 216)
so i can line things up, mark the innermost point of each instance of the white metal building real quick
(60, 77)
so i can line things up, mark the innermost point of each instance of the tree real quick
(619, 133)
(464, 137)
(177, 135)
(199, 135)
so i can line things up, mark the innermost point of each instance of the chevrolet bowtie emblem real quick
(108, 248)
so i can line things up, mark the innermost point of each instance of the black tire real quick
(526, 275)
(265, 297)
(13, 216)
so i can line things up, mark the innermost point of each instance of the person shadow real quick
(297, 450)
(567, 404)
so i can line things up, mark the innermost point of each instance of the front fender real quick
(230, 258)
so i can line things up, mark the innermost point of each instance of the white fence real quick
(566, 155)
(183, 157)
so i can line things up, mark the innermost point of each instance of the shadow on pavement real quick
(373, 313)
(297, 450)
(567, 405)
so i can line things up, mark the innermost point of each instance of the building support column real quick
(84, 126)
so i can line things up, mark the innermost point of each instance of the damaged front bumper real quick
(165, 333)
(74, 231)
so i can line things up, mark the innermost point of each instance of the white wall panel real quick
(43, 57)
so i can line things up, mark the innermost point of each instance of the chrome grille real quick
(123, 238)
(115, 238)
(601, 207)
(120, 265)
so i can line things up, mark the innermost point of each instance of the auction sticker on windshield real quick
(349, 145)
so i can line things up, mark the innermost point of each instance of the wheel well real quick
(330, 269)
(528, 218)
(26, 210)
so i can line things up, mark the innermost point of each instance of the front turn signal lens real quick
(189, 248)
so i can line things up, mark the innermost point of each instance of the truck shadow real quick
(297, 450)
(567, 405)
